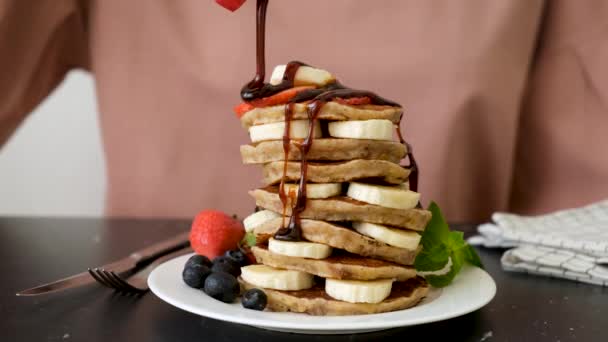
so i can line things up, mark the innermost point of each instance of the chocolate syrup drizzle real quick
(257, 88)
(413, 166)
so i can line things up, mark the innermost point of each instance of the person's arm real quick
(39, 42)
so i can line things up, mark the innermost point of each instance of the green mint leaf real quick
(464, 251)
(440, 281)
(433, 258)
(472, 257)
(435, 243)
(249, 239)
(439, 246)
(446, 279)
(437, 229)
(456, 240)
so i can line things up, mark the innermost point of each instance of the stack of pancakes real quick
(330, 220)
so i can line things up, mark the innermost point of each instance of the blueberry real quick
(194, 275)
(227, 265)
(237, 256)
(198, 260)
(254, 299)
(222, 286)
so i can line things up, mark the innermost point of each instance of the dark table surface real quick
(38, 250)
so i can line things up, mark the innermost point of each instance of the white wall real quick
(53, 165)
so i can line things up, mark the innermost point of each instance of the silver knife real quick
(122, 266)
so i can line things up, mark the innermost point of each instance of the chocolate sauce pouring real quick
(413, 167)
(257, 88)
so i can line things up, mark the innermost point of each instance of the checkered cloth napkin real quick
(571, 244)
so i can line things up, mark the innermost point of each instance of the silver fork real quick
(138, 282)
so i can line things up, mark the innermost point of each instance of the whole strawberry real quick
(213, 233)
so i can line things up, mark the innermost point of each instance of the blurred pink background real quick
(505, 101)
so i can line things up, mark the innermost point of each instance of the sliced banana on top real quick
(305, 75)
(302, 249)
(277, 74)
(317, 190)
(259, 218)
(356, 291)
(274, 278)
(298, 129)
(364, 129)
(390, 236)
(386, 196)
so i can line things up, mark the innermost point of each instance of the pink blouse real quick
(506, 102)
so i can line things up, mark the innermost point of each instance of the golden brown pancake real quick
(340, 265)
(342, 238)
(332, 149)
(330, 111)
(332, 172)
(342, 208)
(315, 301)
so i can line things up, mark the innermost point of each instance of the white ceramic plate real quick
(472, 289)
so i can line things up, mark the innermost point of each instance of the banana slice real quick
(298, 129)
(317, 190)
(301, 249)
(304, 76)
(274, 278)
(356, 291)
(277, 74)
(385, 196)
(366, 129)
(259, 218)
(390, 236)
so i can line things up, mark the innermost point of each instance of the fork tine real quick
(113, 281)
(123, 284)
(106, 275)
(129, 286)
(101, 275)
(102, 281)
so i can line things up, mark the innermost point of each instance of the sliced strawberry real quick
(354, 101)
(279, 98)
(276, 99)
(243, 108)
(231, 5)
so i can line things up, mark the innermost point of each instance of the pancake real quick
(342, 208)
(330, 111)
(378, 170)
(340, 265)
(325, 149)
(315, 301)
(341, 238)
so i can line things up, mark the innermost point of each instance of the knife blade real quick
(79, 279)
(124, 265)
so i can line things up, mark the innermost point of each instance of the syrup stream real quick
(257, 89)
